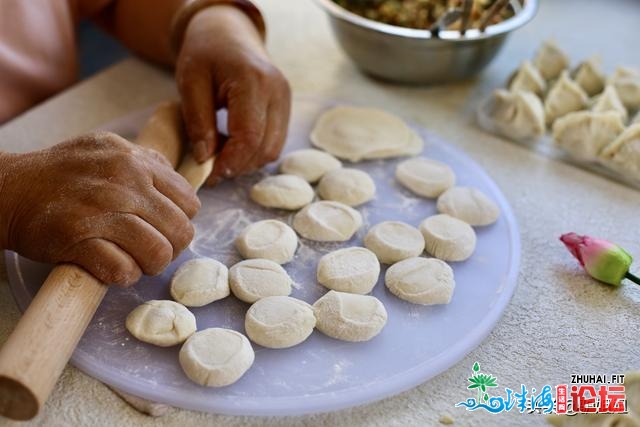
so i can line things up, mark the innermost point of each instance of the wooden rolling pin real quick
(40, 346)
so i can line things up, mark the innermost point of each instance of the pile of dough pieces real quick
(218, 357)
(593, 118)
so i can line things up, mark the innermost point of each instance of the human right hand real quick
(116, 209)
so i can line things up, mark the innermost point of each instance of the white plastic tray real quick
(321, 374)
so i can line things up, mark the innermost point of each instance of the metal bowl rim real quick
(527, 13)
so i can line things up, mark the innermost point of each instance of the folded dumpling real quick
(589, 76)
(564, 97)
(610, 101)
(515, 115)
(623, 154)
(627, 83)
(550, 60)
(584, 134)
(527, 78)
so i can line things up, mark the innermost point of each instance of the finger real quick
(199, 112)
(177, 189)
(106, 261)
(157, 156)
(276, 131)
(171, 221)
(150, 249)
(246, 122)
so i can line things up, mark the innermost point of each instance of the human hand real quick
(223, 63)
(114, 208)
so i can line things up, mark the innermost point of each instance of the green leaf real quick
(486, 397)
(474, 386)
(476, 367)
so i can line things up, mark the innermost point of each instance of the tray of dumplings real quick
(578, 115)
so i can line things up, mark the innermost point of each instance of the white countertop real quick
(559, 322)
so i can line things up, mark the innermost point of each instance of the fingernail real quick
(200, 151)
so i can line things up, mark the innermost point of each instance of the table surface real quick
(559, 322)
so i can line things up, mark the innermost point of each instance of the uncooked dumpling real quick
(627, 83)
(349, 317)
(279, 322)
(610, 101)
(161, 322)
(636, 119)
(355, 133)
(518, 116)
(327, 221)
(309, 164)
(393, 241)
(424, 281)
(585, 133)
(550, 60)
(282, 192)
(199, 282)
(468, 204)
(564, 97)
(216, 357)
(269, 239)
(589, 77)
(623, 154)
(527, 78)
(354, 270)
(425, 177)
(352, 187)
(448, 238)
(253, 279)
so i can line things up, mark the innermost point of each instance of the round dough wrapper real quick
(425, 177)
(353, 270)
(279, 322)
(468, 204)
(161, 322)
(309, 164)
(448, 238)
(349, 317)
(393, 241)
(352, 187)
(327, 221)
(269, 239)
(216, 357)
(282, 192)
(253, 279)
(200, 281)
(354, 134)
(424, 281)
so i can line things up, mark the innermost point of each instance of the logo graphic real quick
(587, 394)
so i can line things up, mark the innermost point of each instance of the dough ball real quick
(309, 164)
(353, 270)
(199, 282)
(393, 241)
(468, 204)
(448, 238)
(349, 317)
(161, 322)
(253, 279)
(216, 357)
(279, 322)
(282, 192)
(424, 281)
(327, 221)
(352, 187)
(354, 134)
(268, 239)
(425, 177)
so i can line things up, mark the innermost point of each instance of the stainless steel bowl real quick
(414, 56)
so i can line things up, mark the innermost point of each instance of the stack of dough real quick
(199, 282)
(268, 239)
(253, 279)
(349, 317)
(468, 204)
(354, 134)
(423, 281)
(352, 187)
(161, 322)
(354, 270)
(282, 192)
(279, 322)
(448, 238)
(309, 164)
(425, 177)
(327, 221)
(393, 241)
